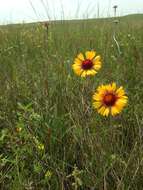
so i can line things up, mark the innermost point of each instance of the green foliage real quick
(50, 137)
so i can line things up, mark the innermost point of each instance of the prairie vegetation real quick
(50, 135)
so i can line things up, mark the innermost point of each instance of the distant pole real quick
(116, 21)
(115, 10)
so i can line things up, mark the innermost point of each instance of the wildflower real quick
(76, 174)
(18, 129)
(109, 99)
(41, 146)
(129, 35)
(48, 174)
(88, 65)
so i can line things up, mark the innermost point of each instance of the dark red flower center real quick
(109, 99)
(87, 64)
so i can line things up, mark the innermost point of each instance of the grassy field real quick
(51, 138)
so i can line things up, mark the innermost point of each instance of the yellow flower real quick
(41, 146)
(48, 174)
(87, 65)
(18, 129)
(108, 99)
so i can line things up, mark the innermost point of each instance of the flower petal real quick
(115, 110)
(113, 86)
(83, 74)
(97, 65)
(97, 105)
(97, 58)
(120, 92)
(77, 69)
(90, 54)
(91, 72)
(121, 103)
(80, 57)
(106, 112)
(97, 97)
(101, 110)
(77, 61)
(76, 66)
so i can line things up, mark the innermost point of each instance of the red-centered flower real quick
(108, 99)
(87, 65)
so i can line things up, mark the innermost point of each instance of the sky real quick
(17, 11)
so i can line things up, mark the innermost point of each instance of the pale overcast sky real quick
(12, 11)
